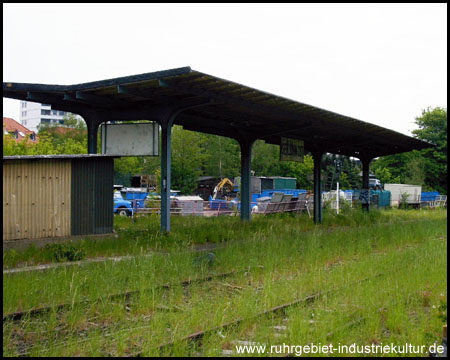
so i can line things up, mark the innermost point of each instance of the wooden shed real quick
(49, 196)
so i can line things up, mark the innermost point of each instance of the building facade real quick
(17, 131)
(34, 114)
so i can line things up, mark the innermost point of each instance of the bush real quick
(64, 252)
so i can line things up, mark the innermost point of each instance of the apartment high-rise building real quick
(33, 114)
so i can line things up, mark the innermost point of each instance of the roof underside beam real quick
(235, 110)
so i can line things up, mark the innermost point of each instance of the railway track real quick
(19, 315)
(210, 247)
(198, 336)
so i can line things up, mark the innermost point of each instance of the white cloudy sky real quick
(378, 63)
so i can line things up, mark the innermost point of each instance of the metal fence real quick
(438, 201)
(222, 207)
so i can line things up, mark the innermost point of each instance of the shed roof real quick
(57, 157)
(224, 108)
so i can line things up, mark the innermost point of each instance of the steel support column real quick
(365, 180)
(166, 118)
(246, 154)
(318, 217)
(166, 134)
(93, 121)
(92, 139)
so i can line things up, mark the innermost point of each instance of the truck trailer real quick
(404, 193)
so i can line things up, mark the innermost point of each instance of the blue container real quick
(270, 193)
(214, 204)
(137, 196)
(380, 198)
(429, 196)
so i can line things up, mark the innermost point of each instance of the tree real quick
(385, 176)
(417, 171)
(396, 166)
(265, 159)
(266, 162)
(222, 156)
(350, 177)
(433, 128)
(44, 146)
(427, 167)
(302, 171)
(188, 158)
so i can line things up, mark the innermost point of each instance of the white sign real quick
(132, 139)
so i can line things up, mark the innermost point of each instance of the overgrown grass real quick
(144, 235)
(285, 263)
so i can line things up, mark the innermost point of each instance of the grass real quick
(144, 236)
(288, 257)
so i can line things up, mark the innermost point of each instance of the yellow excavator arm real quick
(221, 184)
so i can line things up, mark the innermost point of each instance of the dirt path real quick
(195, 248)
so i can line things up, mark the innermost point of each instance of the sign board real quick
(292, 150)
(131, 139)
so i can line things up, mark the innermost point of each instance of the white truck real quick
(404, 193)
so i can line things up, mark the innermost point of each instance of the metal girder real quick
(42, 98)
(149, 92)
(57, 103)
(155, 94)
(99, 100)
(287, 131)
(264, 109)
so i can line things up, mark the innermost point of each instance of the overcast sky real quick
(381, 64)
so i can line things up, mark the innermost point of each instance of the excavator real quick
(225, 186)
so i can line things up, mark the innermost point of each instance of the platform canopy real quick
(208, 104)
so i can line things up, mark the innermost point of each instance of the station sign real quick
(130, 139)
(292, 150)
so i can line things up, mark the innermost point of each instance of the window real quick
(24, 122)
(24, 113)
(45, 112)
(61, 113)
(24, 105)
(54, 112)
(33, 137)
(45, 121)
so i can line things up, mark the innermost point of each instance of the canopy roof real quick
(219, 107)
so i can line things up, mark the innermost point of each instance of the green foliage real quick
(385, 176)
(128, 165)
(433, 128)
(427, 167)
(416, 171)
(188, 158)
(302, 171)
(64, 252)
(404, 200)
(349, 177)
(223, 157)
(51, 140)
(265, 159)
(396, 166)
(266, 162)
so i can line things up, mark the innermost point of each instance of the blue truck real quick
(122, 207)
